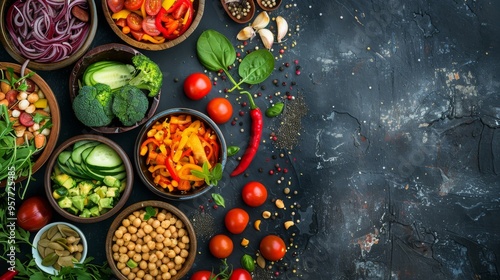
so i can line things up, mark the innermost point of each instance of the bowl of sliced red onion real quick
(50, 34)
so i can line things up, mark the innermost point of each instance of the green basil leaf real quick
(219, 200)
(150, 212)
(247, 262)
(215, 51)
(275, 110)
(232, 150)
(256, 67)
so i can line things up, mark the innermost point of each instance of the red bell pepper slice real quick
(170, 167)
(160, 18)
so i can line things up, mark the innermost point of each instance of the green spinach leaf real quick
(256, 67)
(215, 51)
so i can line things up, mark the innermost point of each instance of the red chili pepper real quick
(255, 135)
(9, 275)
(171, 169)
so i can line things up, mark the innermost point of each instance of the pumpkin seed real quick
(56, 246)
(62, 253)
(43, 242)
(50, 259)
(56, 236)
(65, 261)
(51, 232)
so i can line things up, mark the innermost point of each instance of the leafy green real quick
(275, 110)
(215, 51)
(256, 67)
(247, 262)
(211, 177)
(150, 212)
(16, 83)
(219, 200)
(232, 150)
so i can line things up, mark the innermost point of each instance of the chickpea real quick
(160, 230)
(160, 216)
(147, 238)
(138, 248)
(170, 265)
(145, 249)
(141, 233)
(185, 239)
(126, 237)
(137, 258)
(166, 276)
(177, 250)
(120, 265)
(123, 250)
(33, 97)
(178, 267)
(174, 242)
(159, 263)
(159, 238)
(171, 254)
(163, 268)
(159, 246)
(136, 223)
(123, 258)
(123, 229)
(130, 254)
(131, 276)
(179, 224)
(182, 232)
(126, 222)
(148, 229)
(153, 258)
(135, 269)
(125, 271)
(132, 229)
(115, 247)
(181, 245)
(133, 237)
(173, 272)
(145, 256)
(165, 223)
(143, 264)
(136, 213)
(131, 246)
(119, 233)
(184, 253)
(159, 254)
(153, 234)
(154, 272)
(178, 260)
(140, 274)
(167, 242)
(116, 256)
(151, 266)
(172, 229)
(148, 277)
(167, 233)
(151, 245)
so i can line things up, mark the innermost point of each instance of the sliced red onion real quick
(45, 30)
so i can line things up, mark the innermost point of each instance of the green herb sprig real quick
(211, 177)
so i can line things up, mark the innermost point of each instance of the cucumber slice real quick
(105, 172)
(63, 157)
(76, 155)
(103, 157)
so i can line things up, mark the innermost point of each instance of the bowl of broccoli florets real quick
(115, 88)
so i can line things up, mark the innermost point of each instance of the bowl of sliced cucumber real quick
(88, 178)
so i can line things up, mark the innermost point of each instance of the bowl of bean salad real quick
(29, 122)
(151, 240)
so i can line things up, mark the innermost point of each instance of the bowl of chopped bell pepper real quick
(180, 154)
(153, 25)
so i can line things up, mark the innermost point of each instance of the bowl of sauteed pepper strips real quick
(29, 123)
(153, 24)
(180, 154)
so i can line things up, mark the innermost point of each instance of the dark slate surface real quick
(393, 157)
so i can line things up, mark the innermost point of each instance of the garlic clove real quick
(267, 38)
(282, 26)
(246, 33)
(261, 21)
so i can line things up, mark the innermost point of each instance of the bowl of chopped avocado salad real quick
(114, 88)
(88, 178)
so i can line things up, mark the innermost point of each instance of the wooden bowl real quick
(160, 205)
(266, 7)
(243, 19)
(142, 167)
(115, 52)
(53, 162)
(42, 157)
(199, 7)
(7, 40)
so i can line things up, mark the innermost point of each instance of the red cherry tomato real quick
(203, 275)
(149, 26)
(240, 274)
(254, 194)
(197, 86)
(134, 21)
(133, 5)
(115, 5)
(220, 110)
(11, 97)
(152, 7)
(272, 247)
(34, 213)
(236, 220)
(221, 246)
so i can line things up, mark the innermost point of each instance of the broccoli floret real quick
(105, 97)
(130, 105)
(149, 76)
(88, 108)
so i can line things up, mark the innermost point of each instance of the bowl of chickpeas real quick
(151, 240)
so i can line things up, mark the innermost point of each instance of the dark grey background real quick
(397, 155)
